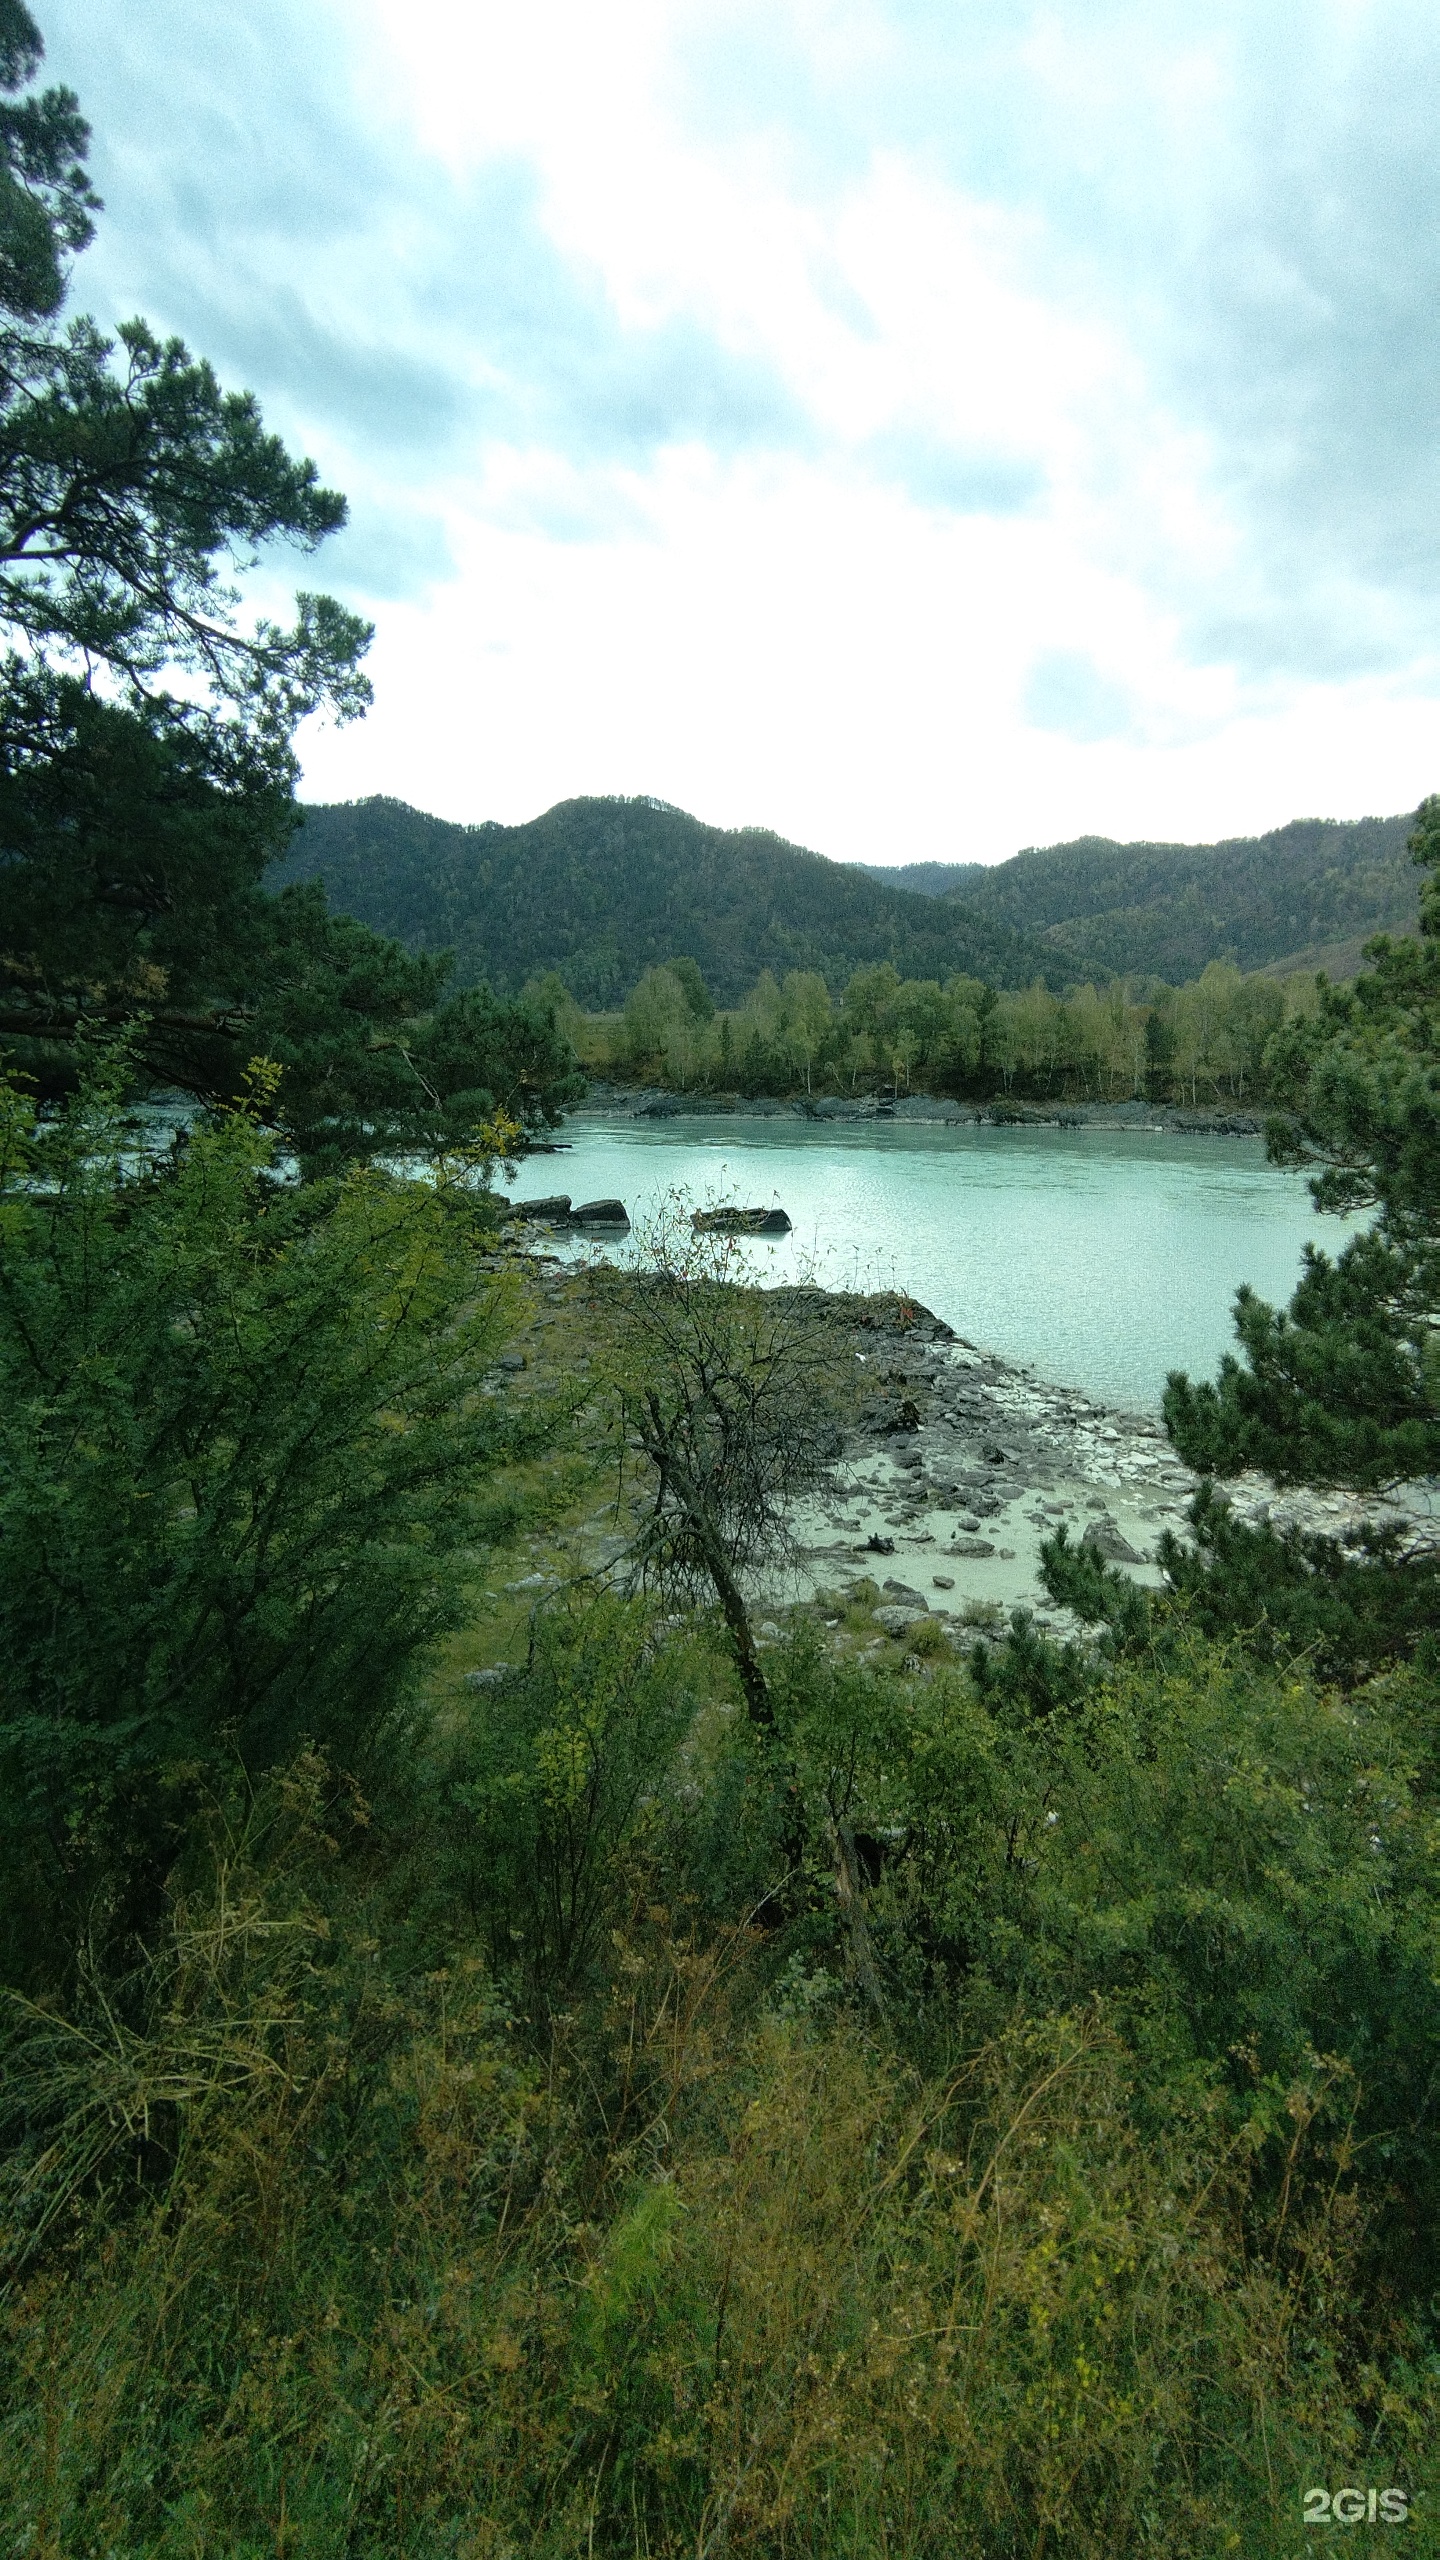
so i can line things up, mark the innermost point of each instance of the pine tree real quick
(147, 764)
(1343, 1386)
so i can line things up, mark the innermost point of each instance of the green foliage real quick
(134, 888)
(1240, 1865)
(602, 890)
(1305, 895)
(1362, 1077)
(1338, 1388)
(240, 1447)
(1344, 1386)
(138, 822)
(379, 2287)
(1234, 1863)
(130, 489)
(377, 1059)
(1349, 1612)
(1117, 2221)
(46, 199)
(561, 1779)
(1205, 1044)
(697, 994)
(134, 853)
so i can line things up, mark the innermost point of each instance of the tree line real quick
(1204, 1043)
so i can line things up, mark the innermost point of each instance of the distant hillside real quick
(1308, 894)
(603, 889)
(926, 879)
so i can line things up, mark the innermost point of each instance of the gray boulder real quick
(600, 1213)
(555, 1211)
(1104, 1538)
(907, 1592)
(740, 1222)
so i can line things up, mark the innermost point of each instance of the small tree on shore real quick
(730, 1396)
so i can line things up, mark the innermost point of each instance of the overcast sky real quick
(925, 427)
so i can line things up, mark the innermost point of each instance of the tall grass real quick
(308, 2259)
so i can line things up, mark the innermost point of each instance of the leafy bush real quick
(241, 1442)
(563, 1788)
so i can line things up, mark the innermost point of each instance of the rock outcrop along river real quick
(960, 1464)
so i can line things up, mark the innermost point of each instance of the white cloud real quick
(922, 431)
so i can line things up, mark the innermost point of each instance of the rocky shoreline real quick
(651, 1102)
(960, 1464)
(956, 1466)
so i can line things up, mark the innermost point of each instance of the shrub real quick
(241, 1444)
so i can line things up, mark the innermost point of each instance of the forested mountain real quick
(927, 879)
(604, 889)
(1309, 894)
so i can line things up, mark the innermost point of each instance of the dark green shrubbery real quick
(241, 1445)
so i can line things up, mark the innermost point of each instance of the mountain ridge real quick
(600, 889)
(1312, 887)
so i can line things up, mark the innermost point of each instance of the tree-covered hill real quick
(1309, 893)
(928, 879)
(603, 889)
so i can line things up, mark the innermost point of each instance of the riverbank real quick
(655, 1102)
(961, 1464)
(955, 1466)
(1102, 1257)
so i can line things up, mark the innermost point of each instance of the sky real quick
(923, 427)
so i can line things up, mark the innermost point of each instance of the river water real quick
(1102, 1258)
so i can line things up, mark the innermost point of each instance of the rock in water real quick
(740, 1222)
(555, 1211)
(600, 1213)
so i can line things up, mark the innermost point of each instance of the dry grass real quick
(703, 2278)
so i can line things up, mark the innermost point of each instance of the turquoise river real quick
(1102, 1258)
